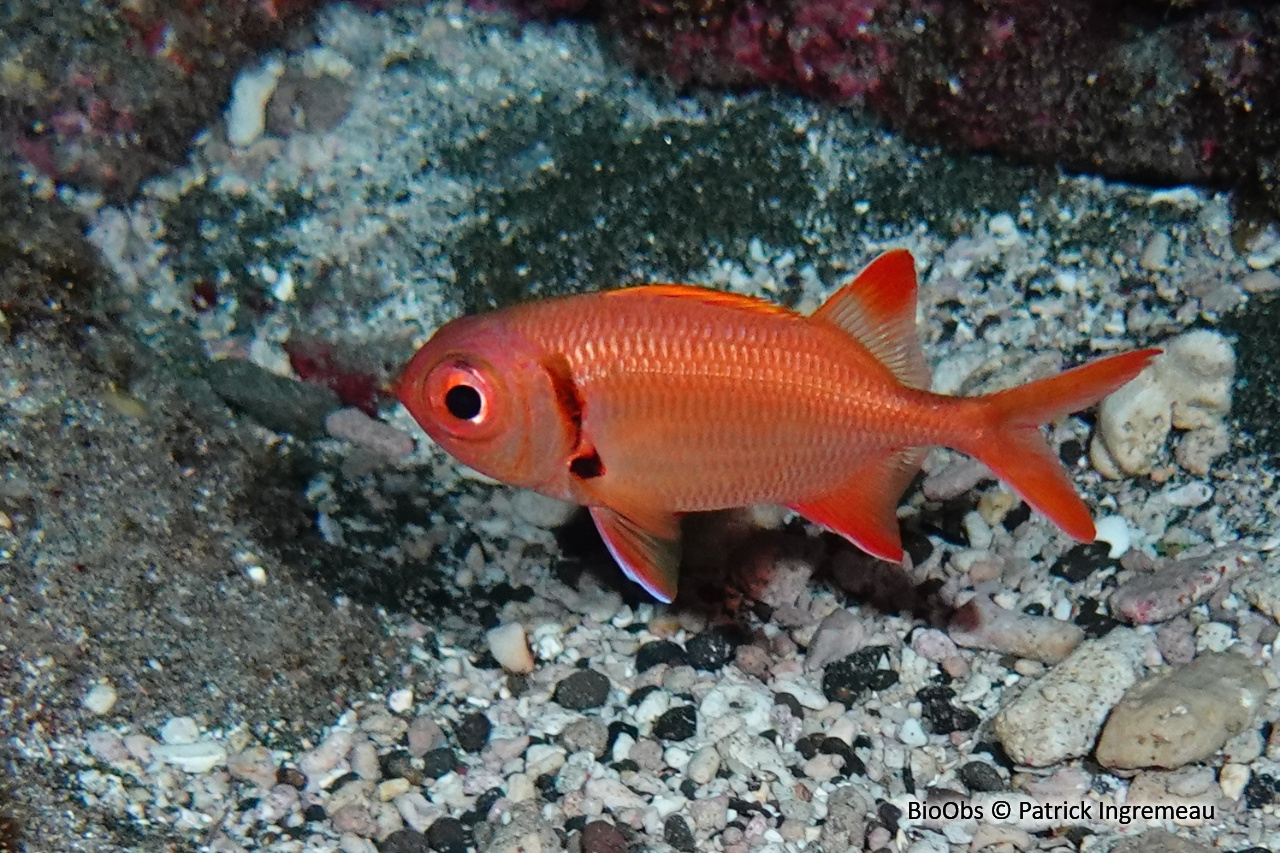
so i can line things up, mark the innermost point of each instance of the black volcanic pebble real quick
(408, 841)
(398, 764)
(448, 835)
(659, 651)
(1081, 561)
(602, 837)
(676, 832)
(853, 765)
(1260, 791)
(314, 812)
(1092, 621)
(791, 703)
(676, 724)
(943, 717)
(712, 649)
(473, 732)
(809, 745)
(438, 762)
(847, 679)
(981, 777)
(585, 689)
(889, 815)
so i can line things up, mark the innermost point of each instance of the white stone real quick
(100, 699)
(1189, 387)
(180, 730)
(400, 701)
(246, 115)
(1155, 256)
(510, 647)
(1231, 779)
(196, 758)
(1114, 531)
(912, 734)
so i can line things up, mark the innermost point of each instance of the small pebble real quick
(582, 690)
(1114, 531)
(473, 732)
(509, 646)
(711, 649)
(100, 699)
(679, 723)
(180, 730)
(911, 734)
(657, 652)
(448, 835)
(424, 735)
(676, 832)
(356, 427)
(400, 701)
(839, 634)
(408, 841)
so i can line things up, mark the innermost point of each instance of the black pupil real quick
(463, 402)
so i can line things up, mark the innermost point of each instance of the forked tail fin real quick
(1013, 447)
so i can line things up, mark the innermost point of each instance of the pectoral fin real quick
(864, 509)
(646, 545)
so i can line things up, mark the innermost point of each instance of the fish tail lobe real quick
(1012, 446)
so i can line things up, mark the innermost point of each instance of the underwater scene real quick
(744, 426)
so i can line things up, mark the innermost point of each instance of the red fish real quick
(650, 402)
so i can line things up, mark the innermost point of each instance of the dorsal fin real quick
(705, 295)
(878, 308)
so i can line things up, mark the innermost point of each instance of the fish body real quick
(650, 402)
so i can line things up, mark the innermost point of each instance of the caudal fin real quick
(1015, 450)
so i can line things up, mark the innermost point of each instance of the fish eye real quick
(463, 402)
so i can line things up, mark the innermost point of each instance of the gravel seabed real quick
(798, 696)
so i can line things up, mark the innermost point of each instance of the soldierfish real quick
(653, 401)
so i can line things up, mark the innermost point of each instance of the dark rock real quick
(1081, 561)
(676, 832)
(276, 402)
(889, 815)
(618, 728)
(473, 732)
(546, 785)
(809, 745)
(314, 812)
(1093, 621)
(1260, 790)
(981, 777)
(853, 765)
(676, 724)
(791, 703)
(601, 837)
(448, 835)
(291, 776)
(942, 717)
(659, 651)
(409, 841)
(637, 695)
(849, 678)
(438, 762)
(398, 764)
(712, 649)
(582, 690)
(341, 781)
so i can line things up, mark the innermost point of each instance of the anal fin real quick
(646, 544)
(864, 508)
